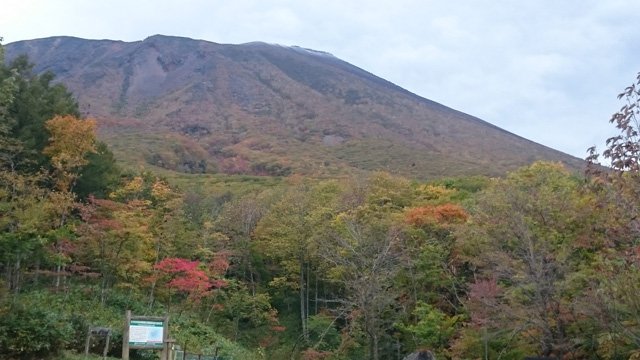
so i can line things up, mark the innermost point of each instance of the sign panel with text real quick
(144, 332)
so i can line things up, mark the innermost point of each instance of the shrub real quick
(32, 332)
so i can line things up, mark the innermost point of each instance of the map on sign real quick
(143, 332)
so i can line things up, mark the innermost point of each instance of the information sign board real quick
(145, 332)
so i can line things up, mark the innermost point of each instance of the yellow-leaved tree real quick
(71, 140)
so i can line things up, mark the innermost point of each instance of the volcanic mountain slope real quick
(197, 106)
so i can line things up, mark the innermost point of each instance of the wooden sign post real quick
(97, 331)
(145, 332)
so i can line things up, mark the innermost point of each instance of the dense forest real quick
(541, 262)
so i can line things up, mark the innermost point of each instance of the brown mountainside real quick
(197, 106)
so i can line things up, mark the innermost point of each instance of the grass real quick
(221, 183)
(72, 356)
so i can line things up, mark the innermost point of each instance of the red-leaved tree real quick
(187, 278)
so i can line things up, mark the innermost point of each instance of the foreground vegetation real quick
(541, 262)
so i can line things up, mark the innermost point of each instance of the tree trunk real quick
(547, 339)
(374, 348)
(235, 337)
(16, 276)
(307, 294)
(153, 283)
(370, 329)
(303, 311)
(36, 277)
(253, 285)
(58, 271)
(8, 275)
(151, 294)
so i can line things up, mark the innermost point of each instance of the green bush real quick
(32, 332)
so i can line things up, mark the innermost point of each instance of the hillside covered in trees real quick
(198, 107)
(541, 262)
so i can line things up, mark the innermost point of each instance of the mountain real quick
(197, 106)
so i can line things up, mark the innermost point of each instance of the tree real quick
(623, 151)
(27, 101)
(71, 141)
(36, 100)
(23, 223)
(115, 239)
(7, 89)
(31, 216)
(527, 234)
(243, 312)
(287, 232)
(363, 246)
(186, 277)
(238, 221)
(618, 192)
(434, 278)
(434, 328)
(100, 176)
(10, 147)
(366, 257)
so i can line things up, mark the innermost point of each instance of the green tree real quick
(618, 192)
(527, 234)
(433, 278)
(10, 147)
(28, 101)
(36, 100)
(237, 222)
(23, 223)
(286, 236)
(363, 246)
(366, 257)
(100, 176)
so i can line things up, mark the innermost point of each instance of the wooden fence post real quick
(86, 343)
(165, 337)
(106, 346)
(125, 336)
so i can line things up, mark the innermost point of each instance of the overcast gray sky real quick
(547, 70)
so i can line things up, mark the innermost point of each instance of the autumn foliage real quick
(70, 142)
(446, 214)
(185, 275)
(360, 268)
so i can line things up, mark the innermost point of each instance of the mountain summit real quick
(197, 106)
